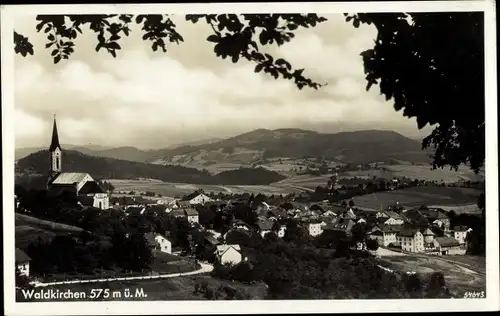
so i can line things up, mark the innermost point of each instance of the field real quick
(167, 189)
(446, 197)
(180, 288)
(460, 275)
(421, 172)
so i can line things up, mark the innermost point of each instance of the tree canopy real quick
(429, 65)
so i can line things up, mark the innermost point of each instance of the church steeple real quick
(55, 152)
(55, 137)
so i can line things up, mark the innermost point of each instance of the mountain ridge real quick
(260, 144)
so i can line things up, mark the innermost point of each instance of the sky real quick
(152, 99)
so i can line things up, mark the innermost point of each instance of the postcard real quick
(250, 158)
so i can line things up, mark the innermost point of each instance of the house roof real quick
(391, 228)
(133, 210)
(190, 212)
(343, 226)
(69, 178)
(123, 200)
(415, 217)
(393, 215)
(221, 249)
(460, 228)
(211, 240)
(408, 232)
(447, 241)
(265, 224)
(21, 256)
(91, 187)
(177, 213)
(156, 208)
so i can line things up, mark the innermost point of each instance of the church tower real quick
(55, 152)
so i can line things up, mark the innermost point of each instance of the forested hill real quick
(109, 168)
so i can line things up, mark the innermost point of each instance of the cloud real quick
(153, 100)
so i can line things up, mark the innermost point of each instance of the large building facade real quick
(88, 191)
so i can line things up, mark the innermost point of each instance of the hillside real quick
(109, 168)
(346, 147)
(256, 146)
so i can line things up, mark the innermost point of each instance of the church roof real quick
(69, 178)
(91, 187)
(54, 144)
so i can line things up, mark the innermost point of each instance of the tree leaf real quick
(258, 68)
(57, 59)
(213, 38)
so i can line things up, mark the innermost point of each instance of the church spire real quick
(55, 138)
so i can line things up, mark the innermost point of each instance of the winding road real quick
(205, 268)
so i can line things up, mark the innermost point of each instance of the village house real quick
(239, 224)
(22, 262)
(77, 183)
(460, 234)
(196, 198)
(159, 242)
(411, 240)
(265, 226)
(341, 228)
(448, 246)
(393, 218)
(385, 234)
(157, 209)
(228, 254)
(191, 215)
(314, 227)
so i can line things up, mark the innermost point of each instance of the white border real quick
(236, 307)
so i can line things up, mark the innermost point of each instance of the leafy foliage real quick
(234, 36)
(432, 66)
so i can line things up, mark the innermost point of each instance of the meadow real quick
(444, 197)
(459, 275)
(420, 172)
(168, 189)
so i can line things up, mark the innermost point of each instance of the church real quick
(87, 190)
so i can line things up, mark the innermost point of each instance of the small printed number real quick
(474, 294)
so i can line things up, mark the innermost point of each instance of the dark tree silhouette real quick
(431, 65)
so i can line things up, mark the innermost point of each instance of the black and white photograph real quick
(308, 156)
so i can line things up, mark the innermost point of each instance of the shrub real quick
(372, 244)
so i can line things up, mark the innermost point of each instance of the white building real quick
(200, 199)
(314, 228)
(163, 244)
(191, 215)
(411, 240)
(460, 234)
(228, 254)
(448, 246)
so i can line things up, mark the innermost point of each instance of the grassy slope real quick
(181, 288)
